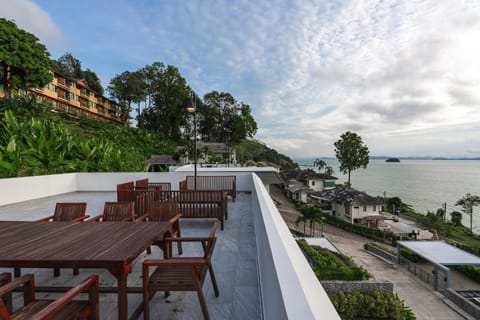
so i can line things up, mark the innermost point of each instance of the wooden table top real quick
(85, 244)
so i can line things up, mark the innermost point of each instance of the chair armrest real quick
(96, 218)
(46, 219)
(5, 278)
(175, 262)
(17, 282)
(175, 218)
(142, 218)
(187, 239)
(58, 304)
(82, 218)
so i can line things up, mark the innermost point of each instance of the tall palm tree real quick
(320, 164)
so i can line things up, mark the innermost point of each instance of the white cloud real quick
(32, 18)
(403, 74)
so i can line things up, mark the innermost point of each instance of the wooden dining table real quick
(104, 245)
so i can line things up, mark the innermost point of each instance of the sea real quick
(424, 184)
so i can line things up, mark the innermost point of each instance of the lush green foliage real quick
(52, 144)
(473, 272)
(24, 62)
(70, 66)
(375, 306)
(223, 119)
(351, 153)
(256, 151)
(331, 266)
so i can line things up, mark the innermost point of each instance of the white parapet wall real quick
(289, 287)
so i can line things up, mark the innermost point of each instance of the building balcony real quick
(260, 270)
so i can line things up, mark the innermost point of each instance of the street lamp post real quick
(192, 108)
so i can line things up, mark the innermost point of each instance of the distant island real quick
(392, 160)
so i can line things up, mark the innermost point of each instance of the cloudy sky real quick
(404, 75)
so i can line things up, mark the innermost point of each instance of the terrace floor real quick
(234, 261)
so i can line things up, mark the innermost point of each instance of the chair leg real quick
(203, 302)
(214, 280)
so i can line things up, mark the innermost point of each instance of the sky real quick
(404, 75)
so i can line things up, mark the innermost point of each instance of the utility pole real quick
(444, 212)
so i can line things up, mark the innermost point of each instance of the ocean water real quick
(423, 184)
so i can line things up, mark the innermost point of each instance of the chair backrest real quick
(118, 211)
(211, 242)
(126, 191)
(141, 184)
(68, 211)
(162, 210)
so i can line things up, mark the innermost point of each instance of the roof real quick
(440, 252)
(307, 175)
(161, 159)
(344, 194)
(213, 147)
(269, 177)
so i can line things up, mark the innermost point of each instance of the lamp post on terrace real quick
(192, 108)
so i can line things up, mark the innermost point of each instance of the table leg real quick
(121, 274)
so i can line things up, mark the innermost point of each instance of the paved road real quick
(424, 302)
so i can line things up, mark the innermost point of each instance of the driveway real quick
(424, 302)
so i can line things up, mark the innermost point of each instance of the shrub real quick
(375, 306)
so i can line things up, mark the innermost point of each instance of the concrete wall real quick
(28, 188)
(463, 303)
(289, 288)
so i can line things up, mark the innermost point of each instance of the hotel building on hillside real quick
(75, 98)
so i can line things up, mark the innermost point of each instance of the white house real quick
(317, 181)
(352, 205)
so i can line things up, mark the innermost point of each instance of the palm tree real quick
(329, 170)
(320, 164)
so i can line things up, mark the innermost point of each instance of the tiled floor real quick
(234, 261)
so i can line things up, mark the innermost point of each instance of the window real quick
(364, 208)
(313, 183)
(374, 208)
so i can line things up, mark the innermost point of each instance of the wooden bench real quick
(225, 183)
(200, 203)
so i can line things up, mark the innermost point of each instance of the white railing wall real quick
(289, 288)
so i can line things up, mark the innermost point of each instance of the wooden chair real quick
(165, 211)
(117, 211)
(68, 211)
(65, 211)
(5, 278)
(181, 273)
(62, 308)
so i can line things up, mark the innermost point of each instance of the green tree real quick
(93, 81)
(68, 65)
(71, 67)
(351, 152)
(127, 88)
(456, 218)
(225, 120)
(24, 62)
(320, 164)
(467, 203)
(170, 95)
